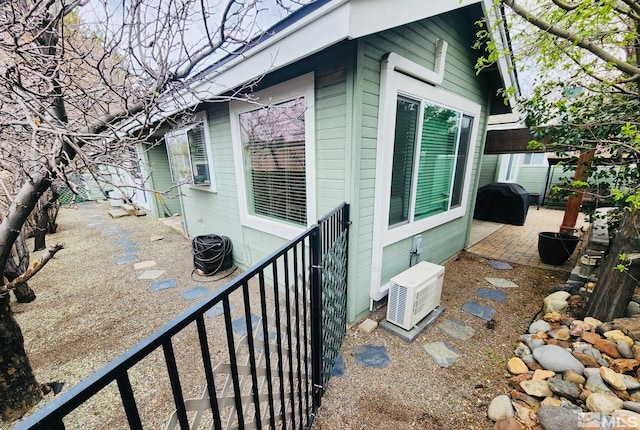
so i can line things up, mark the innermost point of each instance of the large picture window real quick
(430, 153)
(274, 153)
(188, 155)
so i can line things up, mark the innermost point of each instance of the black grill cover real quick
(502, 202)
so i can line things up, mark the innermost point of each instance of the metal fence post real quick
(316, 316)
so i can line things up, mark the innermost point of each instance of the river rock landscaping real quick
(568, 373)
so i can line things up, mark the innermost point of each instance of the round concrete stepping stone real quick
(164, 284)
(195, 293)
(127, 259)
(371, 356)
(501, 283)
(443, 353)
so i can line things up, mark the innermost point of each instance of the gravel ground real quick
(89, 310)
(413, 392)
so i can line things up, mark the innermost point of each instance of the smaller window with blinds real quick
(430, 159)
(189, 159)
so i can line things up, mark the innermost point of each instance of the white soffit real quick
(336, 21)
(371, 16)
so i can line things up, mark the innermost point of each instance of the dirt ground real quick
(89, 310)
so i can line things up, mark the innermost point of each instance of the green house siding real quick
(347, 86)
(207, 212)
(415, 42)
(158, 164)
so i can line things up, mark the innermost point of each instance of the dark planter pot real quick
(556, 248)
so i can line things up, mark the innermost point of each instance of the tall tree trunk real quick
(45, 217)
(19, 390)
(614, 288)
(23, 292)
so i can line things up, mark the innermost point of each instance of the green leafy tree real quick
(585, 100)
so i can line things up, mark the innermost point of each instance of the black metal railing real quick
(257, 340)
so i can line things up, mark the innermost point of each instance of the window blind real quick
(275, 161)
(437, 160)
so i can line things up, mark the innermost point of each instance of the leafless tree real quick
(81, 85)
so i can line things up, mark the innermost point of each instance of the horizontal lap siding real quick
(416, 42)
(332, 128)
(218, 213)
(158, 166)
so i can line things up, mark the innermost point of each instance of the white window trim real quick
(201, 117)
(410, 87)
(544, 163)
(410, 79)
(300, 86)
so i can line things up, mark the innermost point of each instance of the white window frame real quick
(200, 118)
(403, 85)
(289, 90)
(544, 162)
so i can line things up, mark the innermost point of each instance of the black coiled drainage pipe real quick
(211, 253)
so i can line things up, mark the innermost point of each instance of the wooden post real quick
(574, 202)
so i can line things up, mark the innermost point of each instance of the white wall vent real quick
(414, 293)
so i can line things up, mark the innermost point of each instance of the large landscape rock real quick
(556, 302)
(558, 418)
(603, 403)
(558, 359)
(500, 407)
(565, 389)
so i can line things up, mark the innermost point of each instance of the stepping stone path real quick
(501, 283)
(456, 329)
(500, 265)
(239, 325)
(491, 294)
(338, 366)
(164, 284)
(371, 356)
(194, 293)
(151, 274)
(217, 310)
(478, 310)
(126, 260)
(442, 352)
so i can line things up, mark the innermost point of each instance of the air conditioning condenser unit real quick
(414, 293)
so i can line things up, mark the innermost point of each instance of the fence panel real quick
(254, 354)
